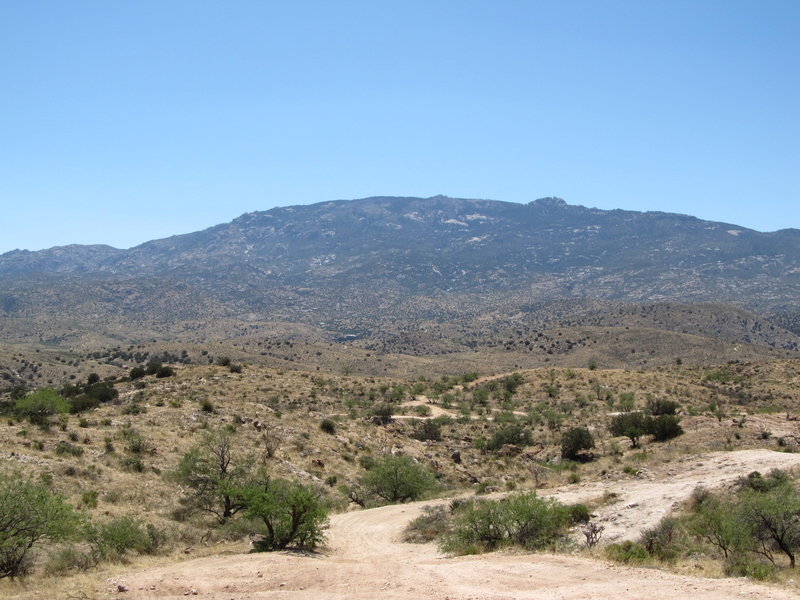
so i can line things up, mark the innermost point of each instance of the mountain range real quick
(350, 267)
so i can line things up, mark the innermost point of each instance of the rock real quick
(509, 450)
(122, 588)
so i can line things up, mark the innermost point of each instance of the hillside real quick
(116, 460)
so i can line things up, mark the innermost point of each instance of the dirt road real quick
(365, 559)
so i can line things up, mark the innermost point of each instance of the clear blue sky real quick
(126, 121)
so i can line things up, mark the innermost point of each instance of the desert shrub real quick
(660, 406)
(102, 391)
(135, 442)
(626, 401)
(578, 513)
(513, 434)
(68, 559)
(212, 472)
(39, 406)
(757, 482)
(772, 518)
(366, 461)
(631, 425)
(113, 539)
(292, 513)
(67, 449)
(664, 540)
(519, 519)
(382, 413)
(29, 516)
(575, 442)
(133, 464)
(89, 499)
(165, 371)
(399, 478)
(82, 403)
(714, 522)
(476, 525)
(427, 430)
(433, 523)
(328, 426)
(627, 552)
(759, 522)
(136, 373)
(742, 565)
(724, 375)
(664, 427)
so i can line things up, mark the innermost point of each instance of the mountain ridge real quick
(358, 264)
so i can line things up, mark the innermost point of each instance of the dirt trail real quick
(365, 558)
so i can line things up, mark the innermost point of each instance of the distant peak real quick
(550, 201)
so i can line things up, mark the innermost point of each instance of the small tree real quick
(212, 475)
(714, 521)
(382, 413)
(292, 513)
(632, 425)
(29, 514)
(659, 406)
(575, 442)
(39, 406)
(664, 427)
(398, 478)
(773, 518)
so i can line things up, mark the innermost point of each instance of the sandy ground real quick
(365, 559)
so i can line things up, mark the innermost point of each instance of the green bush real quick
(664, 427)
(663, 540)
(519, 519)
(427, 430)
(165, 371)
(39, 406)
(748, 566)
(29, 515)
(659, 406)
(114, 539)
(67, 449)
(68, 559)
(578, 513)
(772, 517)
(212, 472)
(399, 478)
(757, 522)
(293, 514)
(627, 552)
(82, 403)
(575, 442)
(513, 434)
(382, 413)
(716, 523)
(133, 464)
(631, 425)
(328, 426)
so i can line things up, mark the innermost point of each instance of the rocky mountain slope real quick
(354, 265)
